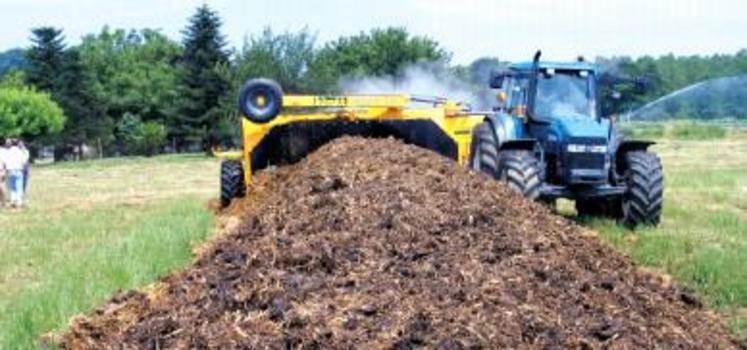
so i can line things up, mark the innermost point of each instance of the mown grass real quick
(702, 239)
(679, 130)
(93, 228)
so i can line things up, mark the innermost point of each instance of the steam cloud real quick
(422, 79)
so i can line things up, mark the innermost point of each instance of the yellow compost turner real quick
(280, 129)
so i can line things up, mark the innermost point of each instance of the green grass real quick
(697, 131)
(702, 239)
(93, 228)
(678, 130)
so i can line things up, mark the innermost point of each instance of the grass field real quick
(93, 228)
(702, 239)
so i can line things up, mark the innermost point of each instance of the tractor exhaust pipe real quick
(533, 83)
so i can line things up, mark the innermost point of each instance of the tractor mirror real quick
(497, 78)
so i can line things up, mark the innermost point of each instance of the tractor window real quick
(564, 94)
(517, 98)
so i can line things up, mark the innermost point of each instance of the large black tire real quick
(231, 181)
(644, 177)
(265, 90)
(520, 170)
(485, 150)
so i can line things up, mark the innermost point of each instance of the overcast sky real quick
(509, 29)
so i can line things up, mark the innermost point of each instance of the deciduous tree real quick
(25, 112)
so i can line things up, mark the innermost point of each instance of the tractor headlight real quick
(572, 148)
(575, 148)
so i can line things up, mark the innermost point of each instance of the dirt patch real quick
(375, 244)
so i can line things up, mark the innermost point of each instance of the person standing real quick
(26, 167)
(15, 160)
(3, 176)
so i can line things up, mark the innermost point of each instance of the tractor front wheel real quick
(642, 202)
(231, 181)
(520, 170)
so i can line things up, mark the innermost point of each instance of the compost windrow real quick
(377, 244)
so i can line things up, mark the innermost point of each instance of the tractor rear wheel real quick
(520, 170)
(231, 181)
(485, 150)
(642, 202)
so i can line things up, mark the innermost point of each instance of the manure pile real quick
(374, 244)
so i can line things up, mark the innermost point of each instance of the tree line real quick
(140, 92)
(720, 99)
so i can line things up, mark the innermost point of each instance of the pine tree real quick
(46, 58)
(204, 83)
(87, 122)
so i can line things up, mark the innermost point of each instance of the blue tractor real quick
(548, 140)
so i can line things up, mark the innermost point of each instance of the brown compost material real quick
(374, 244)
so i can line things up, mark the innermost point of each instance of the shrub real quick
(145, 138)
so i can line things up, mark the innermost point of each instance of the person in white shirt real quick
(3, 175)
(15, 160)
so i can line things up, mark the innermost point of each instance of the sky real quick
(509, 29)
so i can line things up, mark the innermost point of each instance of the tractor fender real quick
(620, 144)
(625, 146)
(506, 128)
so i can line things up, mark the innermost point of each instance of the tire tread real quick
(643, 201)
(231, 181)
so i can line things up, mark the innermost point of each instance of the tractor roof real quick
(576, 65)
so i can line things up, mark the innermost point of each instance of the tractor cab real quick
(561, 90)
(559, 104)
